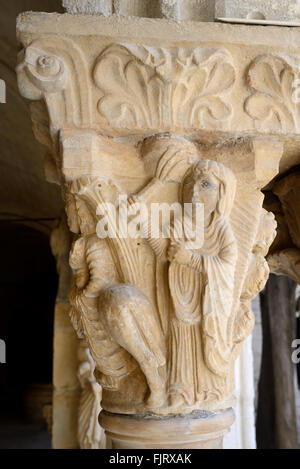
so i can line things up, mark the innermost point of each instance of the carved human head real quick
(212, 184)
(266, 233)
(79, 211)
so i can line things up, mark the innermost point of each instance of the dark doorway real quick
(28, 285)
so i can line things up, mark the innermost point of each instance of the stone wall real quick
(279, 10)
(201, 10)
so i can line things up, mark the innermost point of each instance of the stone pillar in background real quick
(278, 310)
(169, 118)
(276, 406)
(66, 391)
(242, 432)
(89, 7)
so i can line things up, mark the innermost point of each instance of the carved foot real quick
(177, 400)
(156, 399)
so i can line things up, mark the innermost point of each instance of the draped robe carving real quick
(201, 294)
(157, 310)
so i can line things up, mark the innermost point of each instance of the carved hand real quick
(177, 253)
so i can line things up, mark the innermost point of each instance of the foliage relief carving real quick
(162, 88)
(274, 103)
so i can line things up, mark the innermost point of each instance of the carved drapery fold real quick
(204, 304)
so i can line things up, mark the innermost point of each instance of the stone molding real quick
(234, 89)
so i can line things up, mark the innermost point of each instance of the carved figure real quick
(257, 276)
(201, 280)
(116, 317)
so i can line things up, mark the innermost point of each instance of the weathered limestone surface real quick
(198, 10)
(162, 113)
(279, 10)
(89, 7)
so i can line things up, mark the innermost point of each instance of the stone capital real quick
(144, 110)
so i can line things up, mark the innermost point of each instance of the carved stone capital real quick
(155, 119)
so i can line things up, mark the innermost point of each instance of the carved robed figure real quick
(179, 337)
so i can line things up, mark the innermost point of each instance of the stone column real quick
(278, 310)
(142, 111)
(66, 391)
(278, 371)
(242, 432)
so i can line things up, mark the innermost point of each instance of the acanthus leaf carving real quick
(274, 104)
(286, 262)
(151, 87)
